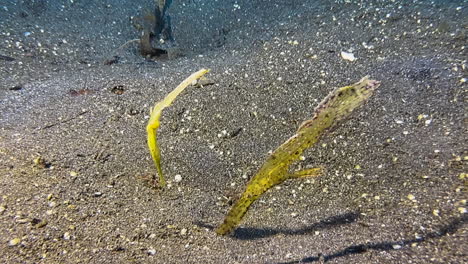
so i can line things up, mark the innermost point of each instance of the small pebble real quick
(348, 56)
(183, 231)
(14, 242)
(151, 251)
(41, 224)
(396, 246)
(178, 178)
(66, 236)
(23, 220)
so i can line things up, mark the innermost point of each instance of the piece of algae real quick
(153, 123)
(327, 115)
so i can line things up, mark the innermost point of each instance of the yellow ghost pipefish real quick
(155, 114)
(337, 106)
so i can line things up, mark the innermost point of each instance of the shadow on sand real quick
(451, 227)
(249, 233)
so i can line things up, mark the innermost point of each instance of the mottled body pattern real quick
(334, 108)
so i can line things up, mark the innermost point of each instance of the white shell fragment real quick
(348, 56)
(178, 178)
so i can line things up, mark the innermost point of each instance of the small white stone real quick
(183, 231)
(178, 178)
(66, 236)
(151, 251)
(396, 246)
(348, 56)
(14, 242)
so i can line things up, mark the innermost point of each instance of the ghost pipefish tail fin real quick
(337, 106)
(153, 123)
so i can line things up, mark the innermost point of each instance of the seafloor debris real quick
(337, 106)
(6, 58)
(118, 89)
(154, 26)
(347, 56)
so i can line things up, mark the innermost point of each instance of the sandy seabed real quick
(76, 178)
